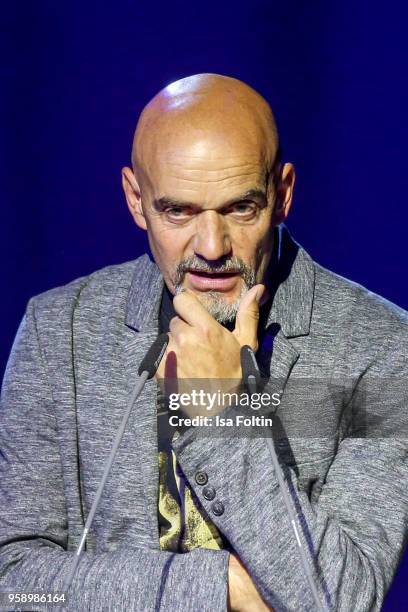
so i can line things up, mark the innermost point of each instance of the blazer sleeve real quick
(33, 516)
(354, 531)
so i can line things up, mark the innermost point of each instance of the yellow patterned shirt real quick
(183, 523)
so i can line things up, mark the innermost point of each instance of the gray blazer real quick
(338, 353)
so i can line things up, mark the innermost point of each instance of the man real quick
(196, 521)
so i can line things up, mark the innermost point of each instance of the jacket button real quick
(217, 508)
(201, 478)
(209, 493)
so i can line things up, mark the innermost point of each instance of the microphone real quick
(153, 357)
(250, 370)
(251, 377)
(147, 370)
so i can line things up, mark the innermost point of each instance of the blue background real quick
(76, 75)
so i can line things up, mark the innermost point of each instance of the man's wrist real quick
(242, 593)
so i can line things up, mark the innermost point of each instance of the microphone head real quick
(154, 356)
(249, 364)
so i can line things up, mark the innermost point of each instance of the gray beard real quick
(217, 306)
(214, 301)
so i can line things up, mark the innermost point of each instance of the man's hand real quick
(242, 594)
(200, 347)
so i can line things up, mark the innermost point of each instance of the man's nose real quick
(211, 240)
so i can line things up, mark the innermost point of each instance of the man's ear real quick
(133, 197)
(284, 193)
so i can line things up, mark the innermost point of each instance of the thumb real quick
(247, 319)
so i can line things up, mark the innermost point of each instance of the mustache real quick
(232, 265)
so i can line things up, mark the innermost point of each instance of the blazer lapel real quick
(291, 310)
(142, 321)
(142, 425)
(283, 358)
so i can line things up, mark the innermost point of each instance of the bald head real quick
(205, 114)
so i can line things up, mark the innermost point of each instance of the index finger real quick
(189, 308)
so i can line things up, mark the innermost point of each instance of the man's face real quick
(209, 212)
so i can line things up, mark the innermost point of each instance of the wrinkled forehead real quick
(196, 165)
(209, 150)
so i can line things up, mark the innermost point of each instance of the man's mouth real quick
(213, 274)
(210, 281)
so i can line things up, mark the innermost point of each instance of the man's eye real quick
(244, 209)
(177, 212)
